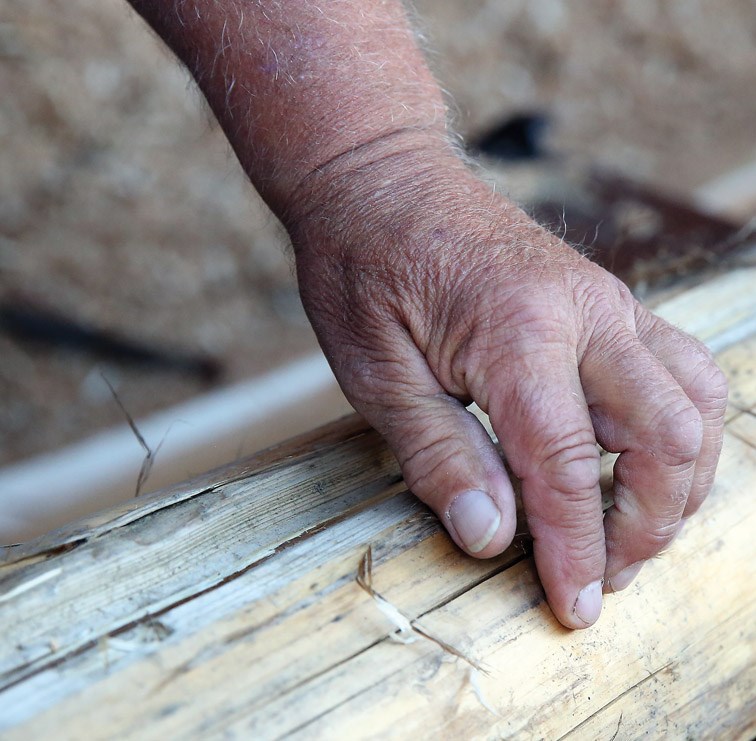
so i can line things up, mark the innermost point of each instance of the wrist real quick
(370, 178)
(406, 196)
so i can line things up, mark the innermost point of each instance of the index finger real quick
(540, 416)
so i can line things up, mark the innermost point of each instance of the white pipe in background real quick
(49, 490)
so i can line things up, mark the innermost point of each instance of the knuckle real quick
(628, 302)
(581, 544)
(679, 430)
(529, 330)
(586, 550)
(610, 333)
(423, 467)
(657, 536)
(574, 531)
(511, 337)
(600, 294)
(708, 387)
(571, 464)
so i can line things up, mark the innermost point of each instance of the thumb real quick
(447, 459)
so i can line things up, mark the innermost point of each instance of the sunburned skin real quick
(295, 84)
(427, 290)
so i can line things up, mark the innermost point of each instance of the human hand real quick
(427, 291)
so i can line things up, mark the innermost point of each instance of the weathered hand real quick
(427, 292)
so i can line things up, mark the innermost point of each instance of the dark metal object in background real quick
(516, 139)
(644, 237)
(28, 322)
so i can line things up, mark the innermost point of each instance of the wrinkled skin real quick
(428, 291)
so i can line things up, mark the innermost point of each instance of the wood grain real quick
(228, 606)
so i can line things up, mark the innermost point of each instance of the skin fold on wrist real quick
(296, 85)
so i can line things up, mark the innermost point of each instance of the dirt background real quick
(121, 205)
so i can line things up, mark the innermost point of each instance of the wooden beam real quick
(229, 605)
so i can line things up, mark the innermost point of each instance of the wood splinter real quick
(407, 630)
(405, 627)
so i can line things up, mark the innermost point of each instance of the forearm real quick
(300, 87)
(425, 288)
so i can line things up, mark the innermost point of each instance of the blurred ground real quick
(658, 89)
(121, 206)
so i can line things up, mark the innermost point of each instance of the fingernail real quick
(475, 519)
(624, 578)
(588, 603)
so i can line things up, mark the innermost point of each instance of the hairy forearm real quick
(426, 289)
(300, 87)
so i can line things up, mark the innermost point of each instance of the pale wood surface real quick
(229, 606)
